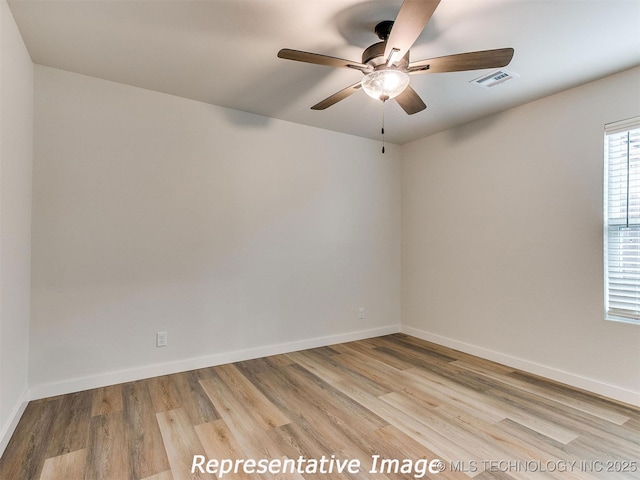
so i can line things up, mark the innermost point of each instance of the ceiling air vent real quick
(494, 79)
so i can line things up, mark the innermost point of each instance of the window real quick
(622, 220)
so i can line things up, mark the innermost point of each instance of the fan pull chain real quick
(382, 131)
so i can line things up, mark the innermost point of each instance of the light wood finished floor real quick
(394, 396)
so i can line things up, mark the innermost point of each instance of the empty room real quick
(319, 239)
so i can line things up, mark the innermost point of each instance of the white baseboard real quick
(600, 388)
(9, 427)
(129, 375)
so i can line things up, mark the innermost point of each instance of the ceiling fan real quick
(386, 64)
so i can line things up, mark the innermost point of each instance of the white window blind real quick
(622, 220)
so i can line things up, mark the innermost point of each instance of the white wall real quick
(502, 238)
(16, 140)
(237, 234)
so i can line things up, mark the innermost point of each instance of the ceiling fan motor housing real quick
(374, 55)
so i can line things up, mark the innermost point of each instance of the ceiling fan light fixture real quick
(385, 84)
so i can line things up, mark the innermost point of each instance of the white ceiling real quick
(223, 52)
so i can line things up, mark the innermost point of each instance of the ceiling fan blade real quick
(336, 97)
(411, 20)
(410, 101)
(464, 61)
(319, 59)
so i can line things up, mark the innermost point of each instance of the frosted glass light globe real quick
(385, 84)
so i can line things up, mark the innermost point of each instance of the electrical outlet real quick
(161, 339)
(361, 313)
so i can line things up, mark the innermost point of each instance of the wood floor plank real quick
(533, 439)
(107, 456)
(372, 352)
(295, 441)
(326, 352)
(333, 372)
(310, 434)
(344, 411)
(325, 368)
(445, 449)
(454, 395)
(384, 374)
(321, 434)
(25, 454)
(107, 400)
(259, 406)
(181, 443)
(193, 398)
(71, 425)
(369, 367)
(539, 390)
(569, 419)
(249, 432)
(366, 471)
(500, 406)
(439, 423)
(258, 370)
(448, 352)
(145, 447)
(540, 424)
(494, 476)
(593, 444)
(633, 423)
(504, 445)
(70, 466)
(164, 394)
(417, 352)
(280, 360)
(219, 443)
(167, 475)
(397, 397)
(394, 444)
(573, 418)
(589, 449)
(561, 388)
